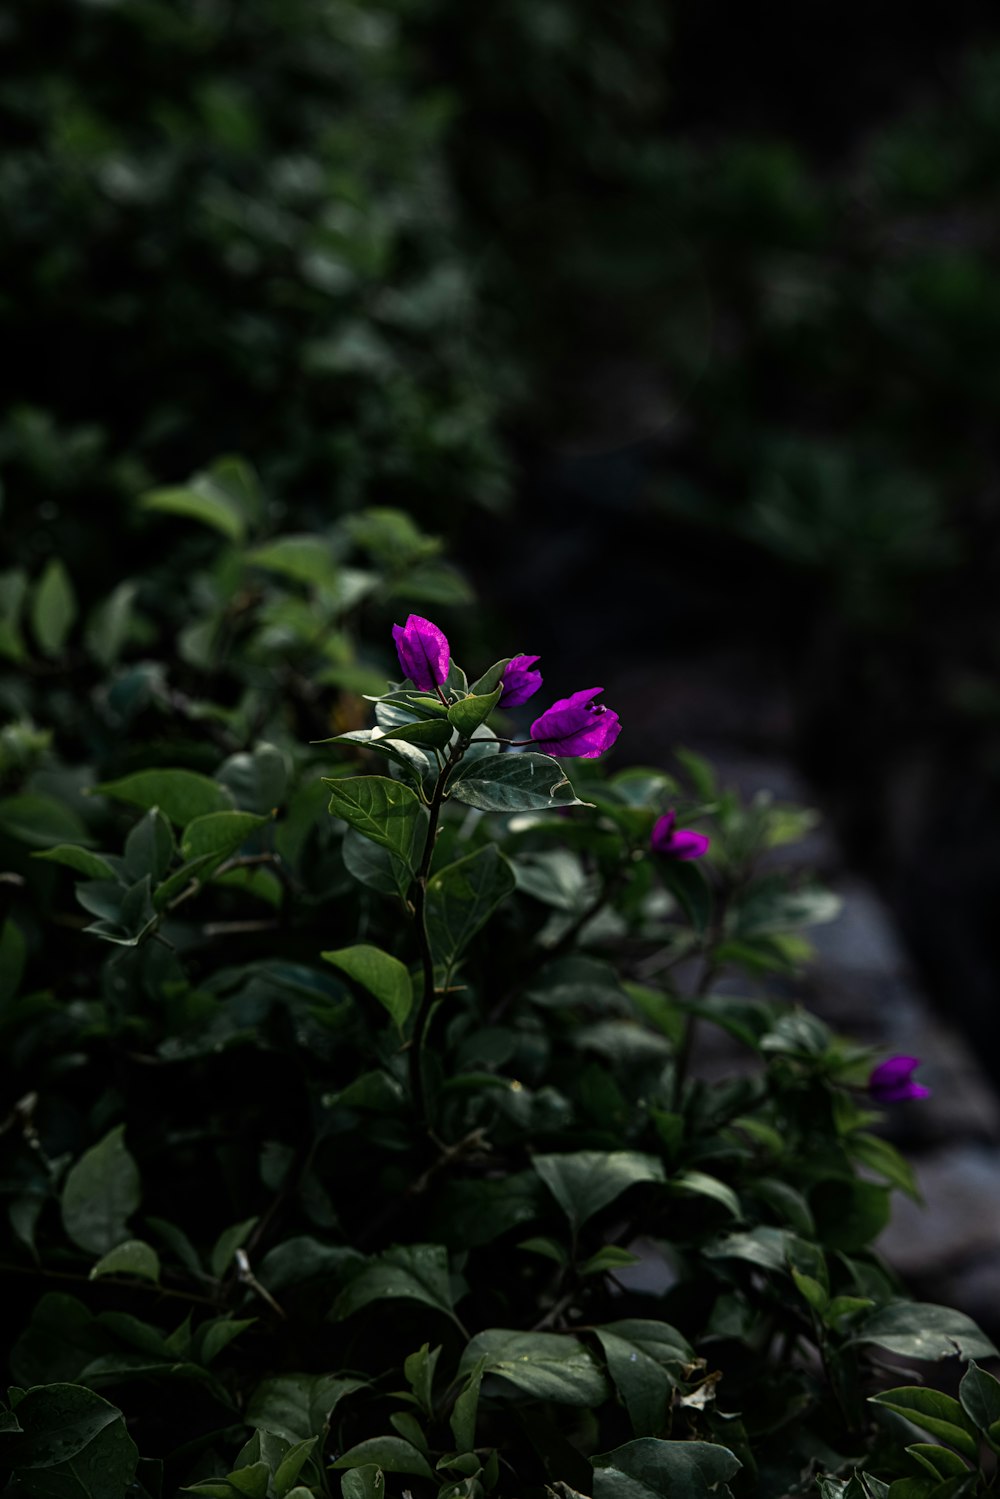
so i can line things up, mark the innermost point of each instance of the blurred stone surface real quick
(862, 981)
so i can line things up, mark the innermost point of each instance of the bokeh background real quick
(680, 324)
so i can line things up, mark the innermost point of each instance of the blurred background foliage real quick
(680, 323)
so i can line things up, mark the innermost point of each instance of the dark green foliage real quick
(333, 1140)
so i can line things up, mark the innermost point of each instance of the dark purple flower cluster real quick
(892, 1081)
(575, 725)
(674, 842)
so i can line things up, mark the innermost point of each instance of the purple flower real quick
(676, 843)
(577, 725)
(892, 1081)
(423, 652)
(519, 681)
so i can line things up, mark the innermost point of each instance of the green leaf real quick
(703, 1185)
(810, 1290)
(53, 608)
(491, 678)
(419, 1370)
(298, 1406)
(365, 1482)
(219, 834)
(410, 1272)
(939, 1462)
(979, 1394)
(462, 897)
(202, 500)
(149, 847)
(228, 1242)
(40, 820)
(384, 811)
(920, 1329)
(392, 1455)
(643, 1384)
(13, 592)
(288, 1470)
(100, 1194)
(469, 712)
(258, 779)
(763, 1246)
(13, 956)
(304, 558)
(610, 1257)
(547, 1248)
(885, 1160)
(94, 866)
(383, 976)
(687, 884)
(661, 1341)
(108, 625)
(409, 757)
(541, 1365)
(587, 1180)
(215, 1336)
(134, 1257)
(375, 867)
(463, 1415)
(181, 795)
(74, 1443)
(435, 732)
(939, 1414)
(512, 783)
(850, 1214)
(651, 1469)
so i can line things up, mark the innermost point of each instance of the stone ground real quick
(861, 982)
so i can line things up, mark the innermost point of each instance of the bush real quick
(363, 1153)
(230, 227)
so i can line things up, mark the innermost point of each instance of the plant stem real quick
(708, 973)
(426, 957)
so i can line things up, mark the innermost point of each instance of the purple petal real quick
(661, 837)
(674, 842)
(687, 844)
(891, 1081)
(576, 725)
(519, 681)
(423, 652)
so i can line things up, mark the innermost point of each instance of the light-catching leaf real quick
(920, 1329)
(219, 834)
(585, 1181)
(644, 1385)
(470, 712)
(204, 500)
(512, 783)
(392, 1454)
(410, 1272)
(462, 897)
(541, 1365)
(651, 1469)
(100, 1193)
(181, 795)
(53, 608)
(72, 1442)
(134, 1257)
(298, 1406)
(932, 1411)
(94, 866)
(382, 975)
(384, 811)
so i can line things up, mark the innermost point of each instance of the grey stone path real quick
(862, 984)
(736, 712)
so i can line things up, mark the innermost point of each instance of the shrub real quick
(363, 1153)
